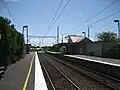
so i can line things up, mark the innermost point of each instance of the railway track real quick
(112, 83)
(56, 80)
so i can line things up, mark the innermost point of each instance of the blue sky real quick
(38, 14)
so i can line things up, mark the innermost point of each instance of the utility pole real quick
(57, 34)
(23, 31)
(39, 42)
(23, 37)
(27, 39)
(119, 29)
(62, 38)
(42, 42)
(88, 32)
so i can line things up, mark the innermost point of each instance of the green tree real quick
(11, 43)
(4, 23)
(107, 36)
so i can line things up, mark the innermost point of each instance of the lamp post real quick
(117, 21)
(89, 31)
(84, 34)
(95, 37)
(57, 34)
(62, 38)
(26, 27)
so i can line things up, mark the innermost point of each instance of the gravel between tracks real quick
(83, 82)
(60, 82)
(46, 78)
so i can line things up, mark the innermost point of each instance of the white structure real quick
(40, 83)
(74, 38)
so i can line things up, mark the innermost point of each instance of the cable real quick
(96, 14)
(102, 10)
(61, 12)
(54, 17)
(109, 28)
(79, 29)
(104, 18)
(100, 20)
(56, 13)
(11, 14)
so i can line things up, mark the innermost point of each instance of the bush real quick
(11, 43)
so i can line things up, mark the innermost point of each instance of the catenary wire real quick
(10, 14)
(94, 15)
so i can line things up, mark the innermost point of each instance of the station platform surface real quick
(114, 62)
(26, 74)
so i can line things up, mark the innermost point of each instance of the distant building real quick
(82, 45)
(74, 38)
(76, 44)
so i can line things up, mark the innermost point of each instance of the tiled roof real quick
(76, 39)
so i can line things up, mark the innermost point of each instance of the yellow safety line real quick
(28, 75)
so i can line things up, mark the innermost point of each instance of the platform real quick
(114, 62)
(26, 74)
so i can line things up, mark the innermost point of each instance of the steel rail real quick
(70, 66)
(64, 75)
(53, 87)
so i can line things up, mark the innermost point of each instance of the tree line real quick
(11, 42)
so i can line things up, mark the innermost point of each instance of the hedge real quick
(11, 42)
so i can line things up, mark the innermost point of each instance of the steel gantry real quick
(42, 37)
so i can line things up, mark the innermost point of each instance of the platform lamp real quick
(117, 21)
(84, 34)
